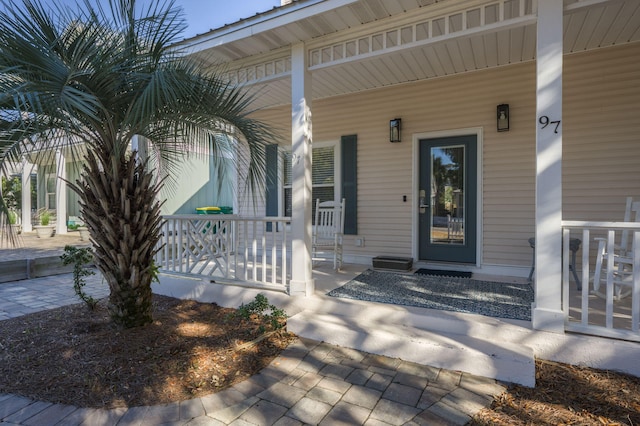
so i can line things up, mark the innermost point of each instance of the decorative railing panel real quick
(227, 249)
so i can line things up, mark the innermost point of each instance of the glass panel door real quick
(447, 199)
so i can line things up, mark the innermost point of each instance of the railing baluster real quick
(165, 240)
(171, 238)
(236, 228)
(180, 250)
(274, 252)
(254, 253)
(565, 269)
(635, 292)
(285, 253)
(263, 252)
(246, 251)
(584, 303)
(609, 302)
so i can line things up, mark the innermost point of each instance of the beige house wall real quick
(601, 137)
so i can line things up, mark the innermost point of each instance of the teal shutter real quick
(271, 174)
(349, 147)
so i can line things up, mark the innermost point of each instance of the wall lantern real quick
(394, 133)
(503, 117)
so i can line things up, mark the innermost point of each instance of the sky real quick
(204, 15)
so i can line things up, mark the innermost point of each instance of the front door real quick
(447, 199)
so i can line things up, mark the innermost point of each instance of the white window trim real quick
(337, 171)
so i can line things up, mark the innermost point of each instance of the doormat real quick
(443, 273)
(490, 298)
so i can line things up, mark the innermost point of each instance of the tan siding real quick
(601, 126)
(601, 133)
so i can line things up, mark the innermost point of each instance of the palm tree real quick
(89, 80)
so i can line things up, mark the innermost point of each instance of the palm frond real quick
(87, 80)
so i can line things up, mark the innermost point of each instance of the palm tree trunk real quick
(120, 208)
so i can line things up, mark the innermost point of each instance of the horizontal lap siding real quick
(601, 147)
(602, 133)
(385, 170)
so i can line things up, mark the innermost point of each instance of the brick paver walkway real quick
(309, 383)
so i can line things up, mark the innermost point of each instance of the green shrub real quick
(268, 316)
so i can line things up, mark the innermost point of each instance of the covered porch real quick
(244, 251)
(447, 69)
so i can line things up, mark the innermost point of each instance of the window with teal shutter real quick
(323, 179)
(271, 186)
(349, 147)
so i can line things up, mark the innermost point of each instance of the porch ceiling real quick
(461, 45)
(439, 59)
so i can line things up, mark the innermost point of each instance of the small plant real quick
(73, 227)
(45, 217)
(155, 272)
(13, 217)
(264, 313)
(80, 257)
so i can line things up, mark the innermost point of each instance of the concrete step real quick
(428, 319)
(482, 354)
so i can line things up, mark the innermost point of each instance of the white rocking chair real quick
(328, 230)
(614, 262)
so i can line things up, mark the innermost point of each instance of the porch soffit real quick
(428, 39)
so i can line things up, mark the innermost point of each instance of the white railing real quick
(227, 249)
(608, 304)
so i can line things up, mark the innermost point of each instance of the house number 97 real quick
(544, 120)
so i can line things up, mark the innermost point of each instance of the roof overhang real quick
(265, 32)
(356, 45)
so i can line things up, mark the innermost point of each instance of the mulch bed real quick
(567, 395)
(75, 356)
(72, 355)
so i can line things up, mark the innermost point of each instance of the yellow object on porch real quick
(208, 210)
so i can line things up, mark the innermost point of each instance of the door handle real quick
(422, 200)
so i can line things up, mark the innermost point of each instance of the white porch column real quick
(139, 144)
(61, 193)
(547, 307)
(301, 139)
(27, 168)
